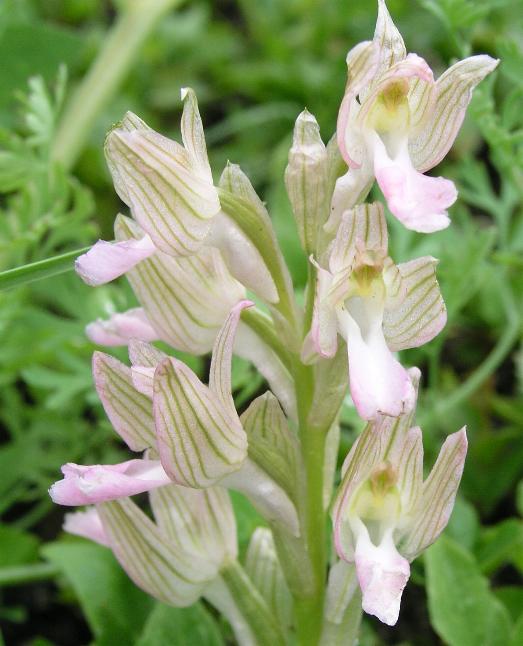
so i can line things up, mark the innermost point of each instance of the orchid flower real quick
(184, 300)
(377, 307)
(175, 206)
(159, 405)
(192, 538)
(385, 514)
(395, 123)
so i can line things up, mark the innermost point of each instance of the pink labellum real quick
(106, 261)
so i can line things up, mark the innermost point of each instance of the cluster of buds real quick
(192, 251)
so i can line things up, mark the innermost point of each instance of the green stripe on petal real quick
(421, 314)
(129, 411)
(149, 559)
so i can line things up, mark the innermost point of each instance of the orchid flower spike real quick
(395, 123)
(377, 307)
(385, 514)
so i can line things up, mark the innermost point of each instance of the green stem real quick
(490, 363)
(309, 607)
(122, 44)
(21, 574)
(40, 269)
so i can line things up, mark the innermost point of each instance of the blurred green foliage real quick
(255, 65)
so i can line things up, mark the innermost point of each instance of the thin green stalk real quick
(122, 44)
(309, 608)
(40, 269)
(22, 574)
(490, 363)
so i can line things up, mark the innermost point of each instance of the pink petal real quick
(143, 379)
(418, 201)
(378, 382)
(106, 261)
(87, 524)
(121, 328)
(382, 574)
(323, 336)
(86, 485)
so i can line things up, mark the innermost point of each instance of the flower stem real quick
(122, 44)
(309, 607)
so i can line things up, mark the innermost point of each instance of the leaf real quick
(512, 598)
(463, 611)
(114, 607)
(33, 49)
(463, 525)
(180, 627)
(499, 544)
(17, 546)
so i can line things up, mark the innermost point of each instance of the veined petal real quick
(418, 201)
(241, 255)
(388, 38)
(150, 559)
(363, 225)
(342, 586)
(200, 441)
(186, 299)
(323, 336)
(193, 136)
(378, 382)
(350, 189)
(421, 315)
(412, 69)
(221, 360)
(362, 65)
(197, 521)
(272, 445)
(121, 327)
(264, 570)
(87, 485)
(106, 261)
(438, 495)
(86, 524)
(405, 452)
(143, 379)
(144, 354)
(129, 411)
(453, 93)
(168, 188)
(364, 455)
(382, 574)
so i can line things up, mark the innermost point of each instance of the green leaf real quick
(512, 598)
(33, 49)
(17, 546)
(180, 627)
(499, 544)
(114, 607)
(463, 524)
(463, 611)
